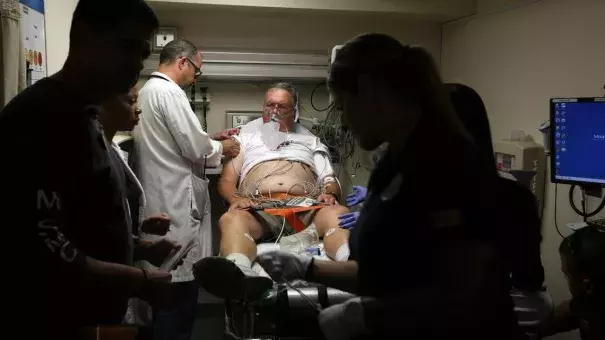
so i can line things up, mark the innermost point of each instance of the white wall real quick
(291, 31)
(445, 9)
(58, 21)
(519, 58)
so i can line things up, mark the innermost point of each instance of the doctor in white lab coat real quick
(172, 151)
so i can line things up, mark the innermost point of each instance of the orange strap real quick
(279, 196)
(290, 215)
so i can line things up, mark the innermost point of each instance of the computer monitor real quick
(578, 141)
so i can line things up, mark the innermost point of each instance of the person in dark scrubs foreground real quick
(426, 263)
(71, 247)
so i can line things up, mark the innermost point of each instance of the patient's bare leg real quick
(231, 276)
(336, 240)
(239, 229)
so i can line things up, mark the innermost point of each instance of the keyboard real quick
(597, 223)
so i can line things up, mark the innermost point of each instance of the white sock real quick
(239, 259)
(343, 252)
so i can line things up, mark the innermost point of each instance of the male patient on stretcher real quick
(279, 159)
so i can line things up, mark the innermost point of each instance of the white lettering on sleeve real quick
(55, 241)
(48, 230)
(44, 202)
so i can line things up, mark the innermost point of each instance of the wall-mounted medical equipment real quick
(205, 106)
(161, 37)
(238, 118)
(577, 139)
(256, 66)
(521, 155)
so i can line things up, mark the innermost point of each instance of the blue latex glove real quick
(357, 196)
(348, 221)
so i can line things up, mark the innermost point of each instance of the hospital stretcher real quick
(284, 313)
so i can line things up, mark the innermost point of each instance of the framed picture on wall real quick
(33, 37)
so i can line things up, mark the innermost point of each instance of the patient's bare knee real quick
(327, 218)
(240, 221)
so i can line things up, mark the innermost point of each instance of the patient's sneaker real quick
(225, 279)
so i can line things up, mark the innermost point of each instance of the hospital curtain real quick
(11, 58)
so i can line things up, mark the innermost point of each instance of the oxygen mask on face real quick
(270, 133)
(274, 114)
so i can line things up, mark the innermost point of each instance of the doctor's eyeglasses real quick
(198, 71)
(281, 108)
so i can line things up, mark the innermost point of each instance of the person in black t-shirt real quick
(583, 263)
(71, 251)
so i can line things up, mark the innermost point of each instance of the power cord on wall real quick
(556, 223)
(313, 96)
(581, 212)
(584, 202)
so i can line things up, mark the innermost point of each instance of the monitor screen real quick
(578, 140)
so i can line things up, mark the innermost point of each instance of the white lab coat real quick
(171, 148)
(139, 311)
(131, 177)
